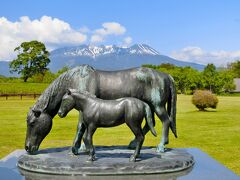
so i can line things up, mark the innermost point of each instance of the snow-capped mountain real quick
(111, 57)
(106, 58)
(95, 51)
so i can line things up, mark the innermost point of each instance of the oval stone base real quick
(110, 160)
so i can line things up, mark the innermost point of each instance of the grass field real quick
(21, 87)
(215, 132)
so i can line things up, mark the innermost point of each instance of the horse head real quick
(67, 103)
(39, 124)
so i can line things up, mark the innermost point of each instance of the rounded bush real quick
(203, 99)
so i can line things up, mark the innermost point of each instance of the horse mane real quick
(58, 86)
(51, 91)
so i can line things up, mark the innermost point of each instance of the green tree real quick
(167, 66)
(226, 81)
(49, 77)
(210, 76)
(218, 80)
(187, 79)
(32, 59)
(60, 71)
(235, 67)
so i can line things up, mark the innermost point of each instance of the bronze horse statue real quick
(151, 86)
(108, 113)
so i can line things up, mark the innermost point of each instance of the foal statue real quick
(108, 113)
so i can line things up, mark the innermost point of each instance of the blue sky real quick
(202, 31)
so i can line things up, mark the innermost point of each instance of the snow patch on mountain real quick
(95, 51)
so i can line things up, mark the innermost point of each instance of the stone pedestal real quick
(204, 167)
(112, 160)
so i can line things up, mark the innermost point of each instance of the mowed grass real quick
(21, 87)
(216, 132)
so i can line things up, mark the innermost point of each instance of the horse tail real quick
(171, 106)
(149, 119)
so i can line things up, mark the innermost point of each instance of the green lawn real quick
(216, 132)
(21, 87)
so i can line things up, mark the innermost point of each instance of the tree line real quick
(187, 79)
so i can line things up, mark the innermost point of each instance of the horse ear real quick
(69, 92)
(36, 112)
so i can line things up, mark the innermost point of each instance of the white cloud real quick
(51, 31)
(111, 28)
(198, 55)
(127, 41)
(108, 28)
(96, 38)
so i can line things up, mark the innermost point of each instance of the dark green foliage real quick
(32, 59)
(235, 68)
(225, 81)
(46, 77)
(203, 99)
(218, 80)
(188, 79)
(210, 77)
(64, 69)
(167, 66)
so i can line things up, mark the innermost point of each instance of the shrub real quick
(203, 99)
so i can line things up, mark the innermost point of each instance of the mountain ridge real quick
(112, 57)
(106, 57)
(94, 51)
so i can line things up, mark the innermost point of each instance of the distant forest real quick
(187, 79)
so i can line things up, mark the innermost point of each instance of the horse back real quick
(118, 84)
(104, 113)
(141, 83)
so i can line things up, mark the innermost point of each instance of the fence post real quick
(21, 96)
(6, 97)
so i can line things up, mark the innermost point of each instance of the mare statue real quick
(153, 87)
(108, 113)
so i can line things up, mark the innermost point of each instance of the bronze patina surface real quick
(111, 160)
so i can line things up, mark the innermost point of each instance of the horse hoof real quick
(132, 159)
(132, 144)
(83, 148)
(75, 150)
(160, 149)
(91, 158)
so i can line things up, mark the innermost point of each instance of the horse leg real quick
(88, 141)
(139, 136)
(163, 116)
(80, 131)
(133, 143)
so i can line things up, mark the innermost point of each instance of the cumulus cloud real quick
(96, 38)
(198, 55)
(108, 28)
(52, 31)
(127, 41)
